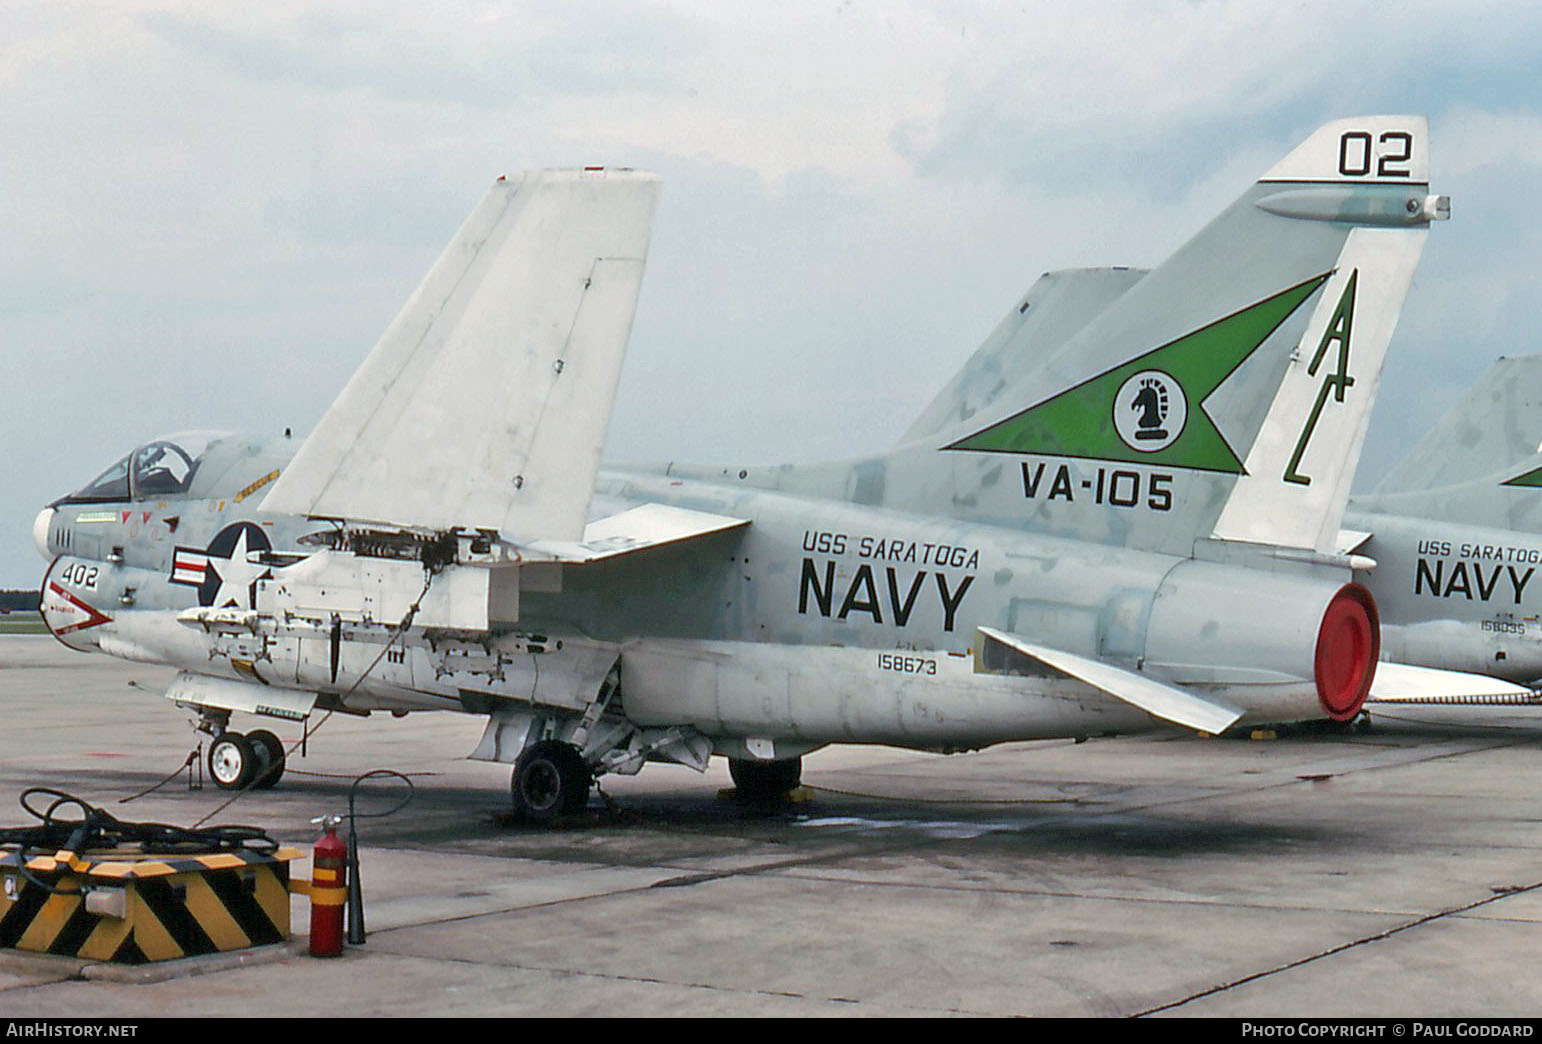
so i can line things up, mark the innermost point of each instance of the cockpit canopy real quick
(160, 469)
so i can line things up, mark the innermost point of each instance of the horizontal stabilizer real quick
(485, 404)
(1404, 683)
(1154, 697)
(650, 525)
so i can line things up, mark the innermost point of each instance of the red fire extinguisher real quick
(329, 889)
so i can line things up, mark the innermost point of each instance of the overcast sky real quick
(208, 213)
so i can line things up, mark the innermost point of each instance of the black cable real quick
(355, 909)
(187, 763)
(98, 829)
(353, 791)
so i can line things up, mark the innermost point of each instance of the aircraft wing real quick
(485, 404)
(1403, 683)
(1156, 698)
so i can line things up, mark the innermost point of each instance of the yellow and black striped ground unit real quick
(133, 909)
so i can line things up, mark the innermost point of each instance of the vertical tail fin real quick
(1295, 485)
(1481, 465)
(1496, 425)
(1225, 393)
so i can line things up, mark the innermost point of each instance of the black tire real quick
(764, 780)
(233, 761)
(270, 755)
(550, 780)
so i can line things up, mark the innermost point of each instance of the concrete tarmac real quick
(1389, 873)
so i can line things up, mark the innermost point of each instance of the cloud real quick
(210, 214)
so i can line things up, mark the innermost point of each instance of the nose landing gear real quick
(237, 761)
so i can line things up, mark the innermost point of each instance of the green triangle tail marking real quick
(1080, 421)
(1531, 479)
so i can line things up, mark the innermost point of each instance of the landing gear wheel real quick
(232, 761)
(270, 754)
(550, 780)
(764, 780)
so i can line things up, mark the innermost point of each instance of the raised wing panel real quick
(1057, 306)
(485, 405)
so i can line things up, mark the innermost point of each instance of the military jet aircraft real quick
(1454, 530)
(1138, 529)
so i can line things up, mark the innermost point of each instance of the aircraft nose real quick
(40, 527)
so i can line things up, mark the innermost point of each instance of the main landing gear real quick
(237, 761)
(550, 780)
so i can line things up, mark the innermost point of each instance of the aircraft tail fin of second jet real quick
(1507, 498)
(1481, 464)
(1225, 394)
(485, 404)
(1496, 425)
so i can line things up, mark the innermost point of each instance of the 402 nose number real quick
(80, 575)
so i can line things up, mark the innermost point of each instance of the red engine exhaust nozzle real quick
(1348, 644)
